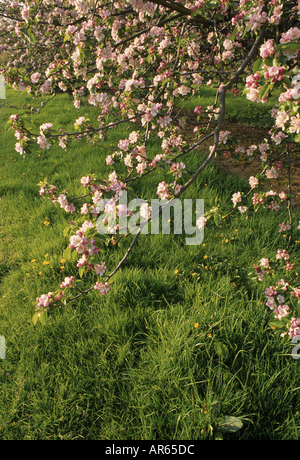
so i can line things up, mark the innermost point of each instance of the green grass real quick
(238, 108)
(131, 365)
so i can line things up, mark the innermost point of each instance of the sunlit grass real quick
(133, 364)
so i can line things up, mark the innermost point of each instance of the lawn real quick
(143, 361)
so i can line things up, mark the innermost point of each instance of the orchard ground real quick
(182, 337)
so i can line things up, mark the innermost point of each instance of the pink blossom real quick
(267, 49)
(85, 181)
(296, 292)
(145, 211)
(163, 191)
(264, 263)
(253, 182)
(281, 312)
(284, 227)
(43, 142)
(68, 282)
(236, 198)
(100, 269)
(282, 254)
(102, 287)
(201, 222)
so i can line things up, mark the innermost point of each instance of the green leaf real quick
(234, 34)
(287, 81)
(97, 261)
(230, 424)
(264, 91)
(221, 350)
(74, 256)
(217, 219)
(81, 271)
(257, 65)
(66, 231)
(43, 318)
(100, 239)
(277, 323)
(35, 317)
(268, 61)
(67, 253)
(288, 46)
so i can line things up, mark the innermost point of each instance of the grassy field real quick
(132, 365)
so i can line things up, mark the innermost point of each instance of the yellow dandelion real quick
(196, 325)
(62, 268)
(193, 274)
(46, 223)
(45, 263)
(62, 261)
(176, 271)
(226, 241)
(40, 273)
(33, 260)
(203, 245)
(46, 255)
(205, 257)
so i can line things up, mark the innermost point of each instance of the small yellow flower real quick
(62, 261)
(40, 273)
(62, 268)
(45, 263)
(33, 260)
(208, 335)
(236, 230)
(176, 271)
(46, 255)
(203, 245)
(193, 274)
(205, 257)
(226, 241)
(284, 236)
(33, 267)
(196, 325)
(46, 223)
